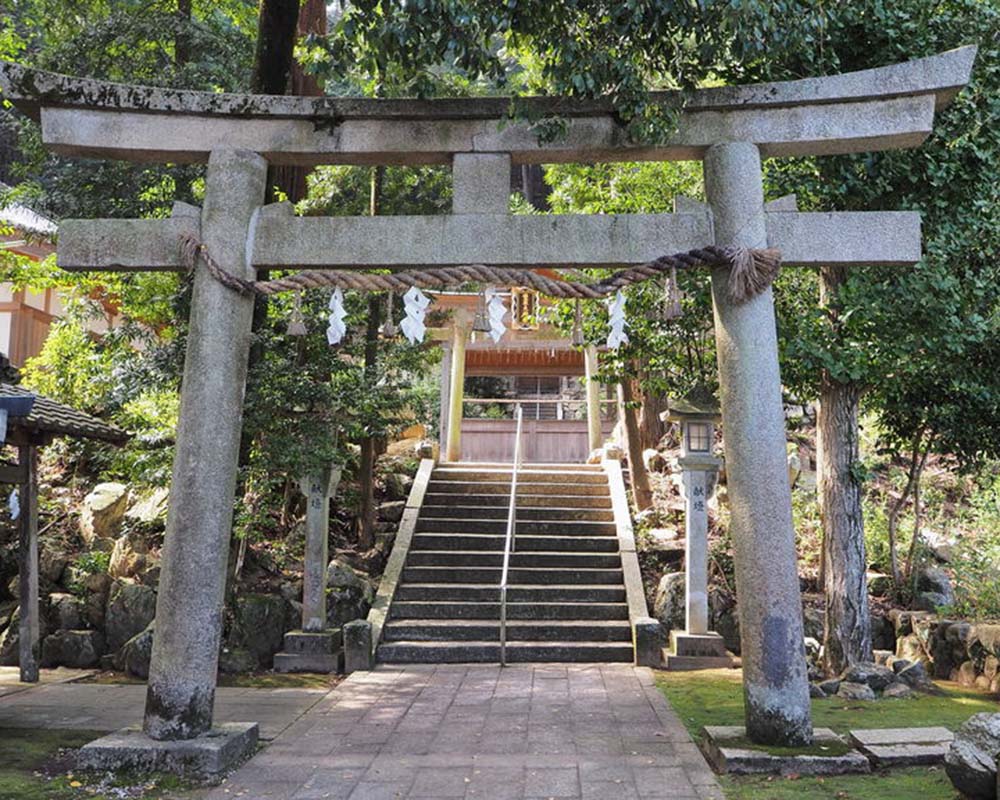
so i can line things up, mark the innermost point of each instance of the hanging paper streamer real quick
(337, 328)
(14, 503)
(415, 304)
(616, 318)
(495, 311)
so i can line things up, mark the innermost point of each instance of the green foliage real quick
(93, 562)
(975, 562)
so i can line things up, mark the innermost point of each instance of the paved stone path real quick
(107, 707)
(592, 732)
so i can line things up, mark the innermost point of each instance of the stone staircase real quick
(566, 599)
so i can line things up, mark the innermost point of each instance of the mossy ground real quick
(715, 697)
(38, 765)
(257, 680)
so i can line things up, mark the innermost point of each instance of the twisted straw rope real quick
(751, 272)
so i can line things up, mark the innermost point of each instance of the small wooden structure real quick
(45, 421)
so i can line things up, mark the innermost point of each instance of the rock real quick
(931, 601)
(392, 511)
(349, 595)
(668, 606)
(942, 547)
(647, 518)
(77, 649)
(67, 612)
(883, 633)
(813, 649)
(971, 761)
(150, 577)
(9, 642)
(830, 687)
(663, 540)
(134, 655)
(855, 691)
(102, 511)
(7, 609)
(52, 564)
(915, 676)
(384, 540)
(883, 657)
(898, 691)
(815, 691)
(794, 467)
(233, 661)
(95, 608)
(130, 556)
(879, 584)
(131, 608)
(97, 583)
(397, 486)
(260, 624)
(427, 449)
(725, 619)
(653, 460)
(965, 674)
(911, 648)
(871, 675)
(291, 590)
(936, 583)
(151, 508)
(813, 622)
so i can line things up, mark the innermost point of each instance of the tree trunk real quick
(651, 428)
(369, 444)
(911, 557)
(847, 630)
(182, 37)
(847, 633)
(642, 495)
(912, 477)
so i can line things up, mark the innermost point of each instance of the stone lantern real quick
(697, 647)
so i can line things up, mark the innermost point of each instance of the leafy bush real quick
(93, 562)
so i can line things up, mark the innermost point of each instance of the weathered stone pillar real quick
(456, 391)
(775, 681)
(182, 673)
(445, 401)
(595, 434)
(695, 549)
(29, 628)
(316, 488)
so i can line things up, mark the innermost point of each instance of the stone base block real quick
(726, 750)
(358, 646)
(311, 651)
(691, 663)
(206, 757)
(903, 747)
(709, 645)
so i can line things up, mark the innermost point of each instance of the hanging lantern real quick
(672, 297)
(297, 322)
(388, 328)
(481, 322)
(577, 338)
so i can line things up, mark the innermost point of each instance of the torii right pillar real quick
(775, 679)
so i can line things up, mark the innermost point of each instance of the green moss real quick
(815, 749)
(900, 784)
(255, 680)
(715, 697)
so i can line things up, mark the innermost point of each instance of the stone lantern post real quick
(697, 647)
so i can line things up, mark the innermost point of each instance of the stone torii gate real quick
(730, 128)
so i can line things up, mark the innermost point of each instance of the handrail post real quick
(509, 540)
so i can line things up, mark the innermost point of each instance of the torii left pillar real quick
(181, 690)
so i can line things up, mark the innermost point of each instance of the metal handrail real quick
(511, 539)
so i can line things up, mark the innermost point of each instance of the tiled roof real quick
(48, 416)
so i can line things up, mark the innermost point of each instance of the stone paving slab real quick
(583, 732)
(110, 707)
(10, 678)
(903, 747)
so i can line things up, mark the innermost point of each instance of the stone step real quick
(499, 526)
(467, 510)
(538, 593)
(464, 652)
(524, 500)
(524, 476)
(525, 543)
(516, 575)
(417, 609)
(472, 488)
(504, 466)
(485, 558)
(421, 630)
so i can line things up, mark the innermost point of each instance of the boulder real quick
(654, 460)
(236, 660)
(898, 691)
(830, 687)
(129, 556)
(349, 593)
(855, 691)
(883, 633)
(95, 608)
(934, 589)
(134, 655)
(102, 511)
(151, 508)
(668, 605)
(914, 675)
(131, 608)
(663, 540)
(98, 583)
(77, 649)
(397, 486)
(261, 621)
(9, 640)
(879, 584)
(813, 622)
(911, 648)
(941, 546)
(67, 611)
(392, 511)
(873, 676)
(971, 761)
(815, 691)
(965, 674)
(52, 564)
(725, 619)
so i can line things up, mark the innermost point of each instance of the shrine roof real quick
(55, 419)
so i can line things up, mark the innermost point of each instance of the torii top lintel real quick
(876, 109)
